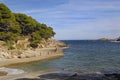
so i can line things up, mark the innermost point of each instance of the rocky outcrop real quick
(49, 43)
(107, 39)
(23, 50)
(76, 76)
(118, 39)
(52, 43)
(27, 53)
(104, 39)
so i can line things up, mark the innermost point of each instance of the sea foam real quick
(12, 71)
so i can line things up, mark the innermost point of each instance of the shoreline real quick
(26, 75)
(43, 56)
(39, 55)
(58, 75)
(11, 62)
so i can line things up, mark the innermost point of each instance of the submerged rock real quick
(106, 75)
(118, 39)
(58, 76)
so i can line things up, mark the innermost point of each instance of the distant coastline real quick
(108, 39)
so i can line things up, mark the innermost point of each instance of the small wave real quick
(12, 71)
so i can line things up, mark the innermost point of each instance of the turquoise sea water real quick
(83, 56)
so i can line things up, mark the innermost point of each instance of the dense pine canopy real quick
(14, 25)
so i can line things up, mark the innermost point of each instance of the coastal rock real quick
(68, 76)
(37, 54)
(28, 55)
(22, 44)
(22, 56)
(79, 77)
(8, 56)
(3, 73)
(5, 55)
(104, 39)
(118, 39)
(107, 39)
(14, 56)
(74, 76)
(1, 58)
(2, 55)
(22, 50)
(57, 76)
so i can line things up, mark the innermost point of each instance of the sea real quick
(82, 56)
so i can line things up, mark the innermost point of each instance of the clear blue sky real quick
(73, 19)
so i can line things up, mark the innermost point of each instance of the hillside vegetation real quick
(16, 26)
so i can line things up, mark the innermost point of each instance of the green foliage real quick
(34, 43)
(10, 45)
(45, 32)
(27, 24)
(36, 36)
(8, 36)
(7, 20)
(14, 25)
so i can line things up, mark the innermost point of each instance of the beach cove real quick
(51, 49)
(59, 40)
(95, 63)
(37, 55)
(44, 54)
(77, 61)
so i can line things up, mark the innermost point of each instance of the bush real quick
(34, 43)
(10, 45)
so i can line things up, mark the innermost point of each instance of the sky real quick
(73, 19)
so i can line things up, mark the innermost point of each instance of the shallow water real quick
(83, 56)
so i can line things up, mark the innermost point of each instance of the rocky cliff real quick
(23, 50)
(118, 39)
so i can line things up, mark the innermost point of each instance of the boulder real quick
(14, 56)
(28, 55)
(118, 39)
(22, 56)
